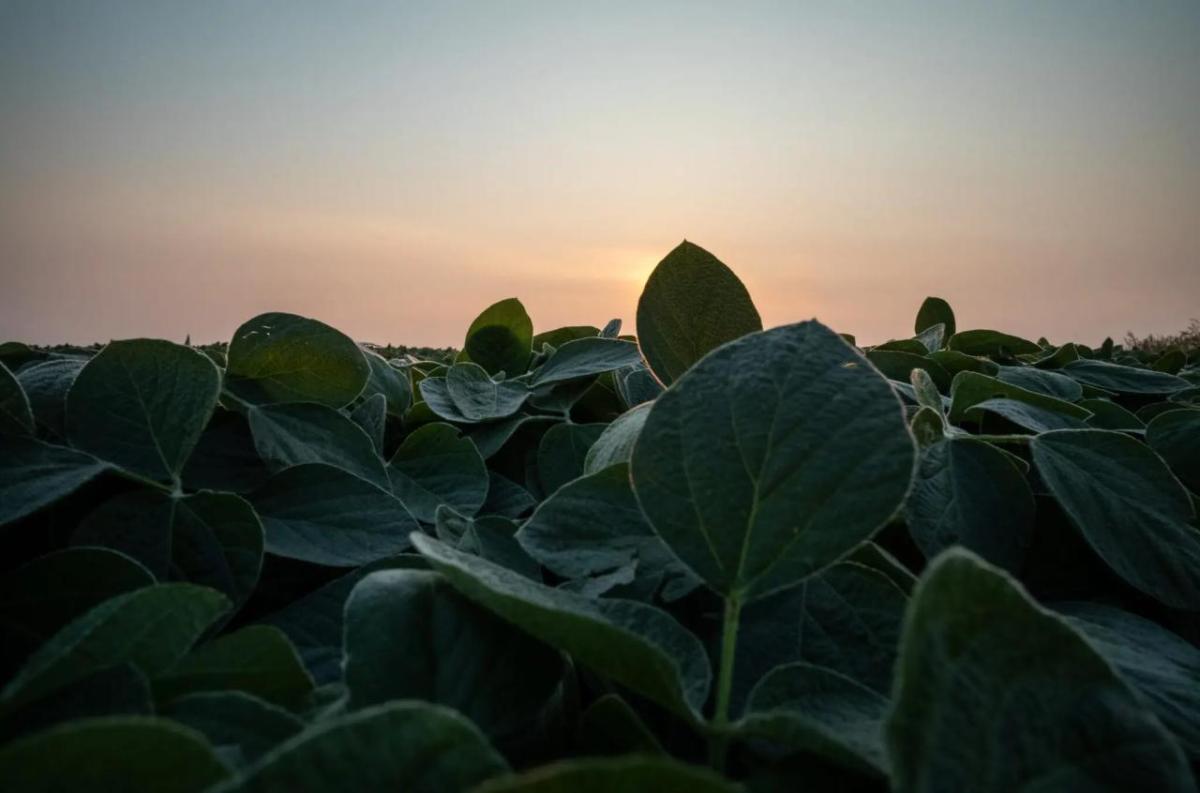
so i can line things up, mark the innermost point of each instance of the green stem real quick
(718, 741)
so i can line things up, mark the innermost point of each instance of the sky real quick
(172, 168)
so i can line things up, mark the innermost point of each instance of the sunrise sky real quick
(172, 168)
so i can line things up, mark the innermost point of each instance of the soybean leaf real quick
(225, 457)
(235, 721)
(150, 628)
(1124, 379)
(1129, 508)
(990, 342)
(322, 514)
(635, 645)
(1052, 384)
(1108, 415)
(491, 537)
(615, 443)
(968, 493)
(44, 594)
(280, 357)
(506, 498)
(410, 635)
(477, 397)
(501, 338)
(935, 311)
(562, 452)
(16, 416)
(389, 382)
(34, 474)
(1026, 416)
(692, 303)
(1159, 665)
(846, 618)
(954, 362)
(492, 437)
(802, 706)
(119, 690)
(257, 659)
(592, 526)
(410, 746)
(560, 336)
(1175, 436)
(772, 458)
(995, 694)
(305, 432)
(610, 726)
(971, 388)
(371, 418)
(214, 539)
(629, 774)
(898, 365)
(46, 384)
(585, 357)
(314, 623)
(132, 754)
(636, 385)
(434, 466)
(142, 405)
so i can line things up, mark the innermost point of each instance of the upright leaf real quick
(142, 405)
(501, 338)
(995, 694)
(773, 458)
(935, 311)
(692, 303)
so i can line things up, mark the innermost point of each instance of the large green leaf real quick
(389, 382)
(130, 754)
(314, 623)
(1026, 416)
(46, 384)
(813, 708)
(225, 457)
(257, 659)
(491, 537)
(584, 357)
(1124, 379)
(286, 358)
(142, 404)
(150, 628)
(434, 466)
(298, 433)
(969, 493)
(501, 338)
(235, 721)
(610, 726)
(410, 635)
(1129, 507)
(990, 342)
(628, 774)
(971, 388)
(615, 444)
(772, 458)
(562, 452)
(1175, 436)
(995, 694)
(324, 515)
(119, 690)
(16, 416)
(42, 595)
(476, 396)
(34, 474)
(409, 746)
(592, 526)
(214, 539)
(898, 365)
(1161, 666)
(692, 303)
(1049, 383)
(635, 645)
(934, 311)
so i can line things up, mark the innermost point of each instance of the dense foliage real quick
(710, 558)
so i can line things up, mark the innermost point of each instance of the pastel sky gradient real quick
(172, 167)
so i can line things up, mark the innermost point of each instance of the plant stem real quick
(718, 742)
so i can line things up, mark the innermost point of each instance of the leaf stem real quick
(718, 741)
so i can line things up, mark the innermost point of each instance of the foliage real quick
(705, 557)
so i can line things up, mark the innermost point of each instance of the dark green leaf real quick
(562, 452)
(235, 720)
(584, 357)
(371, 418)
(991, 342)
(324, 515)
(971, 388)
(285, 358)
(692, 303)
(130, 754)
(506, 498)
(772, 458)
(630, 774)
(610, 726)
(119, 690)
(294, 434)
(635, 645)
(409, 746)
(995, 694)
(933, 311)
(477, 397)
(142, 404)
(615, 443)
(16, 416)
(1052, 384)
(1026, 416)
(1175, 436)
(389, 382)
(46, 384)
(435, 466)
(492, 537)
(898, 365)
(968, 493)
(225, 457)
(1124, 379)
(1108, 415)
(501, 338)
(1128, 506)
(34, 474)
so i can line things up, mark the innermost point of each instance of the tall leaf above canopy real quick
(501, 338)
